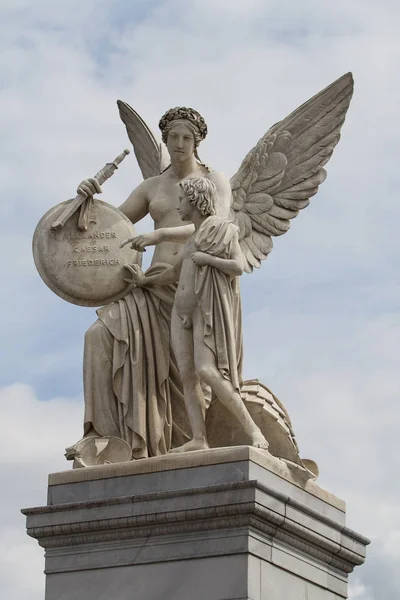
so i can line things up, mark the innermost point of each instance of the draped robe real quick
(131, 381)
(216, 296)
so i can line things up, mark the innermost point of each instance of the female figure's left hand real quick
(137, 275)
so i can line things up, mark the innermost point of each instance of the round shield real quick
(85, 267)
(92, 451)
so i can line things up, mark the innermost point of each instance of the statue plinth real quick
(229, 523)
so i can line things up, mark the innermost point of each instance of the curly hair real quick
(200, 192)
(180, 113)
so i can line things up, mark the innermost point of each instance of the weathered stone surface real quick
(133, 382)
(92, 451)
(84, 267)
(215, 466)
(271, 417)
(220, 531)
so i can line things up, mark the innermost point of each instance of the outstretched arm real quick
(165, 234)
(231, 266)
(176, 234)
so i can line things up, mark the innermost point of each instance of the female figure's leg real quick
(101, 404)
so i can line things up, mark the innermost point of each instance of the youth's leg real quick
(182, 343)
(206, 367)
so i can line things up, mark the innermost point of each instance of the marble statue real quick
(158, 361)
(202, 322)
(132, 385)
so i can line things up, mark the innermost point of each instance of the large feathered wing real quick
(152, 156)
(283, 171)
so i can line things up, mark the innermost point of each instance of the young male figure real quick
(203, 327)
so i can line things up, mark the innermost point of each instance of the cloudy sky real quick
(321, 317)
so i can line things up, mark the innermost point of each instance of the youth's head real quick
(197, 192)
(182, 131)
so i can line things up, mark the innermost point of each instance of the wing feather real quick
(282, 212)
(263, 243)
(152, 156)
(291, 204)
(250, 260)
(284, 170)
(269, 224)
(244, 222)
(301, 118)
(258, 203)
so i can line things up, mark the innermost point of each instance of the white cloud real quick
(34, 435)
(357, 591)
(19, 553)
(33, 430)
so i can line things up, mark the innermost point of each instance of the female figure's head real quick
(182, 131)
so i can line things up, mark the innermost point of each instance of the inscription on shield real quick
(85, 267)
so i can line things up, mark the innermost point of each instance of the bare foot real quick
(259, 441)
(195, 444)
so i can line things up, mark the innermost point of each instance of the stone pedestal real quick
(225, 524)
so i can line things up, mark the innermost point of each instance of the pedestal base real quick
(225, 524)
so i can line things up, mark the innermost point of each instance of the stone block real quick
(223, 524)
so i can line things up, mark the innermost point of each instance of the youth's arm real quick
(232, 266)
(178, 234)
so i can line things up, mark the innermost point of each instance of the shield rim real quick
(50, 284)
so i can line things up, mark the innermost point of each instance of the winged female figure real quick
(131, 381)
